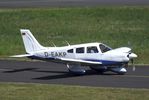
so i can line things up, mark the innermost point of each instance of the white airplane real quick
(97, 56)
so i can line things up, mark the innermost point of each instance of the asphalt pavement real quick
(69, 3)
(53, 73)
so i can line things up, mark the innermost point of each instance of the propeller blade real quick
(130, 45)
(133, 66)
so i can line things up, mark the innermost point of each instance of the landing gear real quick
(76, 69)
(101, 70)
(119, 70)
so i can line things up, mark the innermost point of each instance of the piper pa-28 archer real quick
(97, 56)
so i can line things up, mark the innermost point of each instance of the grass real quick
(13, 91)
(114, 26)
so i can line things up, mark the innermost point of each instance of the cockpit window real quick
(104, 48)
(92, 49)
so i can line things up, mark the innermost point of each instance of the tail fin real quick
(30, 43)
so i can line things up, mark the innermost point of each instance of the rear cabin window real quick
(104, 48)
(70, 51)
(92, 49)
(80, 50)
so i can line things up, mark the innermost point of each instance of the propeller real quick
(133, 66)
(131, 56)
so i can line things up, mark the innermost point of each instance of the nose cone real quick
(132, 55)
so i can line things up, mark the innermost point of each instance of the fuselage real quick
(95, 52)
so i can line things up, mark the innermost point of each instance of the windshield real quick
(104, 48)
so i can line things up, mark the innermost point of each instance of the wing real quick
(79, 61)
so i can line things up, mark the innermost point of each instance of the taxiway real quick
(53, 73)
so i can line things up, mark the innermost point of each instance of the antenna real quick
(67, 43)
(52, 43)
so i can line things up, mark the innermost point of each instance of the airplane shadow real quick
(19, 70)
(57, 74)
(68, 75)
(45, 71)
(51, 77)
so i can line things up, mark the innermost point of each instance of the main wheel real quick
(99, 69)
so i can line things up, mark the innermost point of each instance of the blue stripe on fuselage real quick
(104, 62)
(40, 58)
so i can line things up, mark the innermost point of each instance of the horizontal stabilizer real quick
(23, 55)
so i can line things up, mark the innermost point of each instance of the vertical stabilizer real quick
(30, 43)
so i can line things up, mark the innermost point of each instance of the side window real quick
(70, 51)
(80, 50)
(92, 49)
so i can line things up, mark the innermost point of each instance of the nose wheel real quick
(119, 70)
